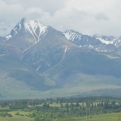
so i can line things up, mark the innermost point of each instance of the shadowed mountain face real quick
(1, 38)
(38, 61)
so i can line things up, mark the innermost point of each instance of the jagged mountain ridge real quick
(32, 31)
(99, 43)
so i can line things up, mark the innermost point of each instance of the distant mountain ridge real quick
(38, 60)
(34, 31)
(99, 43)
(80, 39)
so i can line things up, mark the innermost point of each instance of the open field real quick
(100, 117)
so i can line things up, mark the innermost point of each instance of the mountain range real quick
(38, 61)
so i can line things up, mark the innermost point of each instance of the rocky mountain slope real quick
(40, 61)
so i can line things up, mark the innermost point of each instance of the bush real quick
(17, 113)
(9, 115)
(37, 118)
(3, 114)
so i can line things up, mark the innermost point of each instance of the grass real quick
(100, 117)
(16, 117)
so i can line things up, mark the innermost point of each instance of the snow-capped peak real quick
(72, 35)
(35, 28)
(107, 39)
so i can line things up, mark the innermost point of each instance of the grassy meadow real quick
(99, 117)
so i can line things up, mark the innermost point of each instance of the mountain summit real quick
(26, 34)
(35, 28)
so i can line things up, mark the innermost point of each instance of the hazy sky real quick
(86, 16)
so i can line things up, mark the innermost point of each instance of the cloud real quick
(33, 13)
(10, 12)
(85, 16)
(5, 28)
(101, 16)
(90, 17)
(8, 15)
(46, 5)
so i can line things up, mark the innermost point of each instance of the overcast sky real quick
(86, 16)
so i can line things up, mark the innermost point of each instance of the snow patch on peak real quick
(90, 46)
(8, 37)
(66, 49)
(108, 39)
(72, 35)
(104, 41)
(37, 25)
